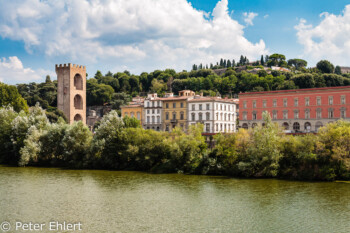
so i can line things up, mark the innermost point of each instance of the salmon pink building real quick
(300, 110)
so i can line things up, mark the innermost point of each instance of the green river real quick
(114, 201)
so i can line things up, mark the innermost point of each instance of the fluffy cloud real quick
(141, 35)
(249, 17)
(12, 71)
(328, 40)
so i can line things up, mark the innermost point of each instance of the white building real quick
(216, 114)
(153, 112)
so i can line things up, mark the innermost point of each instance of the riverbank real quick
(118, 144)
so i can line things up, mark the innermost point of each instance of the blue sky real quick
(144, 35)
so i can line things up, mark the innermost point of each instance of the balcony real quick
(173, 121)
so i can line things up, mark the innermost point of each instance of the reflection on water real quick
(111, 201)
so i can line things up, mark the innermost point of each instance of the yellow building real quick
(175, 110)
(133, 110)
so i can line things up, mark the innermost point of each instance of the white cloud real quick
(266, 16)
(142, 35)
(328, 40)
(249, 17)
(12, 71)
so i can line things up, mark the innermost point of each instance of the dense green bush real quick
(121, 144)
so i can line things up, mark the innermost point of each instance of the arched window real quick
(78, 117)
(153, 120)
(193, 117)
(245, 126)
(78, 102)
(307, 126)
(208, 116)
(318, 125)
(296, 126)
(78, 82)
(285, 125)
(132, 114)
(200, 116)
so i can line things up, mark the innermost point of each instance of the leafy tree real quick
(337, 70)
(9, 96)
(325, 66)
(297, 63)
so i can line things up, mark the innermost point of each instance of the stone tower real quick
(71, 91)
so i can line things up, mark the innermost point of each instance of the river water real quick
(113, 201)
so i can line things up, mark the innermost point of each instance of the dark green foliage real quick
(325, 66)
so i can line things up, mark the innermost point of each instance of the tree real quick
(337, 70)
(325, 66)
(262, 60)
(276, 60)
(297, 63)
(9, 95)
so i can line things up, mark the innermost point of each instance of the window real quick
(200, 107)
(217, 107)
(158, 111)
(342, 113)
(229, 117)
(275, 103)
(217, 116)
(296, 114)
(153, 120)
(318, 101)
(307, 114)
(264, 103)
(225, 116)
(285, 114)
(152, 111)
(174, 105)
(245, 104)
(208, 106)
(182, 105)
(158, 119)
(296, 102)
(285, 102)
(221, 107)
(319, 113)
(152, 104)
(174, 115)
(200, 116)
(254, 104)
(342, 99)
(148, 105)
(330, 113)
(296, 126)
(245, 116)
(193, 117)
(167, 128)
(167, 116)
(217, 127)
(193, 107)
(274, 115)
(207, 116)
(330, 100)
(254, 115)
(147, 111)
(307, 101)
(181, 115)
(138, 115)
(225, 107)
(148, 119)
(166, 105)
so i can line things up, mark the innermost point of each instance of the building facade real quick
(153, 112)
(175, 110)
(303, 110)
(133, 110)
(216, 114)
(71, 91)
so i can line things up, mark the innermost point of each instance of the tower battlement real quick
(69, 65)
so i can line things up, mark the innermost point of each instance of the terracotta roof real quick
(295, 90)
(176, 98)
(217, 99)
(132, 106)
